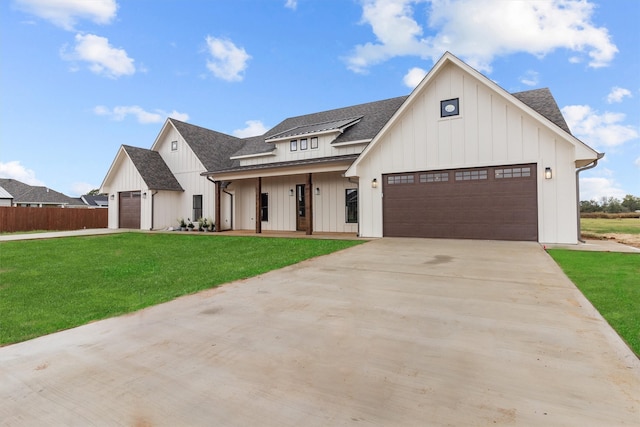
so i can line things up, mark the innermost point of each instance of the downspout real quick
(225, 184)
(589, 166)
(152, 208)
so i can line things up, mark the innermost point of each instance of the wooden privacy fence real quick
(14, 219)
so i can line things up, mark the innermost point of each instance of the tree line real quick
(611, 205)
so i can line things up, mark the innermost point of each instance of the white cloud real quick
(228, 61)
(637, 162)
(600, 130)
(65, 13)
(530, 78)
(413, 77)
(119, 113)
(478, 31)
(80, 188)
(617, 94)
(291, 4)
(595, 188)
(103, 58)
(15, 170)
(253, 128)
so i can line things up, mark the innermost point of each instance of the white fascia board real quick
(358, 142)
(161, 133)
(121, 152)
(251, 156)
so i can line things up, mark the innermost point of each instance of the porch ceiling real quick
(318, 165)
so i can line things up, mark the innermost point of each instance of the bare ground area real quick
(627, 239)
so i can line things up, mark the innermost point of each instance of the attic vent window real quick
(449, 107)
(174, 145)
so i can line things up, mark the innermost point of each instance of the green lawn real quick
(605, 225)
(51, 285)
(611, 281)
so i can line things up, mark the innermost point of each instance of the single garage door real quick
(493, 203)
(130, 210)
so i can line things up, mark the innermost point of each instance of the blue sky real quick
(78, 78)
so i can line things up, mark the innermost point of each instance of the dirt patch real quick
(626, 239)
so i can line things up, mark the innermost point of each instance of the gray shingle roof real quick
(374, 115)
(543, 102)
(214, 149)
(25, 193)
(154, 171)
(316, 127)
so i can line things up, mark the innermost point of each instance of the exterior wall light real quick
(291, 192)
(144, 195)
(317, 191)
(547, 173)
(113, 196)
(374, 183)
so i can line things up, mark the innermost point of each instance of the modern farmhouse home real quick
(458, 158)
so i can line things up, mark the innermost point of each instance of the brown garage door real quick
(130, 209)
(493, 203)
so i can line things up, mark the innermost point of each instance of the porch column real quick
(217, 185)
(258, 205)
(309, 204)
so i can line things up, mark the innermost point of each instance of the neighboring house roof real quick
(100, 200)
(214, 149)
(152, 168)
(24, 193)
(543, 102)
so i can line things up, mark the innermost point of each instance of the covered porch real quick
(305, 196)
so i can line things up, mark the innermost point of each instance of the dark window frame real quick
(264, 207)
(197, 210)
(303, 144)
(351, 205)
(293, 145)
(314, 143)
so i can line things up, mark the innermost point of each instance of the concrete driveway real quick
(398, 332)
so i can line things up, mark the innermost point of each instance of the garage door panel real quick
(129, 209)
(488, 204)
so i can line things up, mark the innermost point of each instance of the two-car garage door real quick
(493, 203)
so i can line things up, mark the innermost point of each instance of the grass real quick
(51, 285)
(611, 281)
(604, 225)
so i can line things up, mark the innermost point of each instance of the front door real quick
(301, 208)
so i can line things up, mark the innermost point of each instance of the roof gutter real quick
(582, 169)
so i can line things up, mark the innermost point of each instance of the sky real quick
(79, 78)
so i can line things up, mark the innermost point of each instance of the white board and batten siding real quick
(328, 207)
(283, 151)
(491, 130)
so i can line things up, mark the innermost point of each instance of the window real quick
(314, 143)
(434, 177)
(400, 179)
(174, 145)
(264, 207)
(303, 144)
(471, 175)
(197, 207)
(449, 108)
(351, 205)
(513, 173)
(294, 145)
